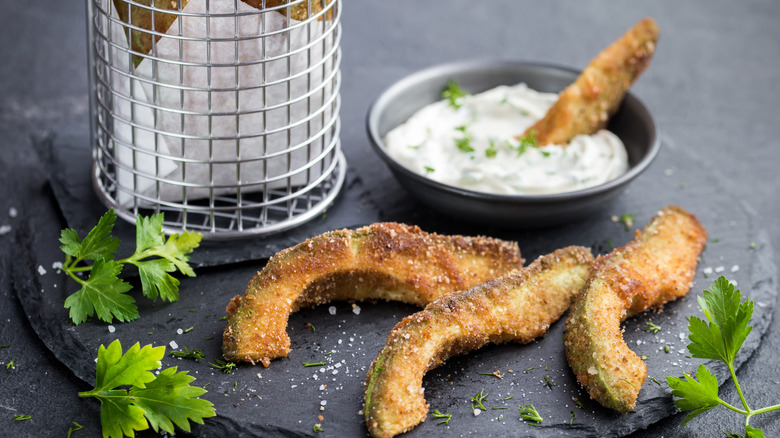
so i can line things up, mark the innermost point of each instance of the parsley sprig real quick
(719, 337)
(160, 400)
(103, 292)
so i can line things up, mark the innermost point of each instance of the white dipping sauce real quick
(436, 142)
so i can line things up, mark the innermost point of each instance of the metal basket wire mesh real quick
(223, 114)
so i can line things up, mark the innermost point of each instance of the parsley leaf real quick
(163, 401)
(453, 93)
(728, 327)
(150, 242)
(103, 292)
(719, 337)
(98, 244)
(699, 396)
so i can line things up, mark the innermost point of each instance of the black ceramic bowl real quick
(632, 123)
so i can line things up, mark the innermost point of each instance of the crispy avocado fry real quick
(656, 267)
(382, 261)
(142, 18)
(585, 106)
(517, 307)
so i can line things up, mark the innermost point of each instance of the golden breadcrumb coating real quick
(585, 106)
(518, 307)
(656, 267)
(382, 261)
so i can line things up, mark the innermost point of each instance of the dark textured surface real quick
(354, 339)
(712, 87)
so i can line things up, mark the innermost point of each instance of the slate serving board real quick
(287, 398)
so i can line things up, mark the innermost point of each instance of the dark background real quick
(712, 87)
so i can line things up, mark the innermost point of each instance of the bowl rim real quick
(470, 65)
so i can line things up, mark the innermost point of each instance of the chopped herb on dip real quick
(476, 142)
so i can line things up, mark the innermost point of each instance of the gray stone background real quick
(712, 87)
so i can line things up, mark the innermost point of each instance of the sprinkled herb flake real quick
(491, 151)
(529, 413)
(464, 143)
(21, 417)
(627, 220)
(454, 93)
(224, 366)
(445, 417)
(548, 382)
(476, 401)
(74, 428)
(317, 428)
(652, 327)
(314, 364)
(429, 170)
(195, 354)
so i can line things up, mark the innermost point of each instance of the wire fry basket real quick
(223, 114)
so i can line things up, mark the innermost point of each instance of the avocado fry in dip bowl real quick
(461, 137)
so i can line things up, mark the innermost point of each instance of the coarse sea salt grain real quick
(5, 229)
(41, 270)
(57, 266)
(356, 310)
(735, 268)
(173, 345)
(179, 331)
(720, 269)
(13, 212)
(332, 310)
(111, 329)
(707, 270)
